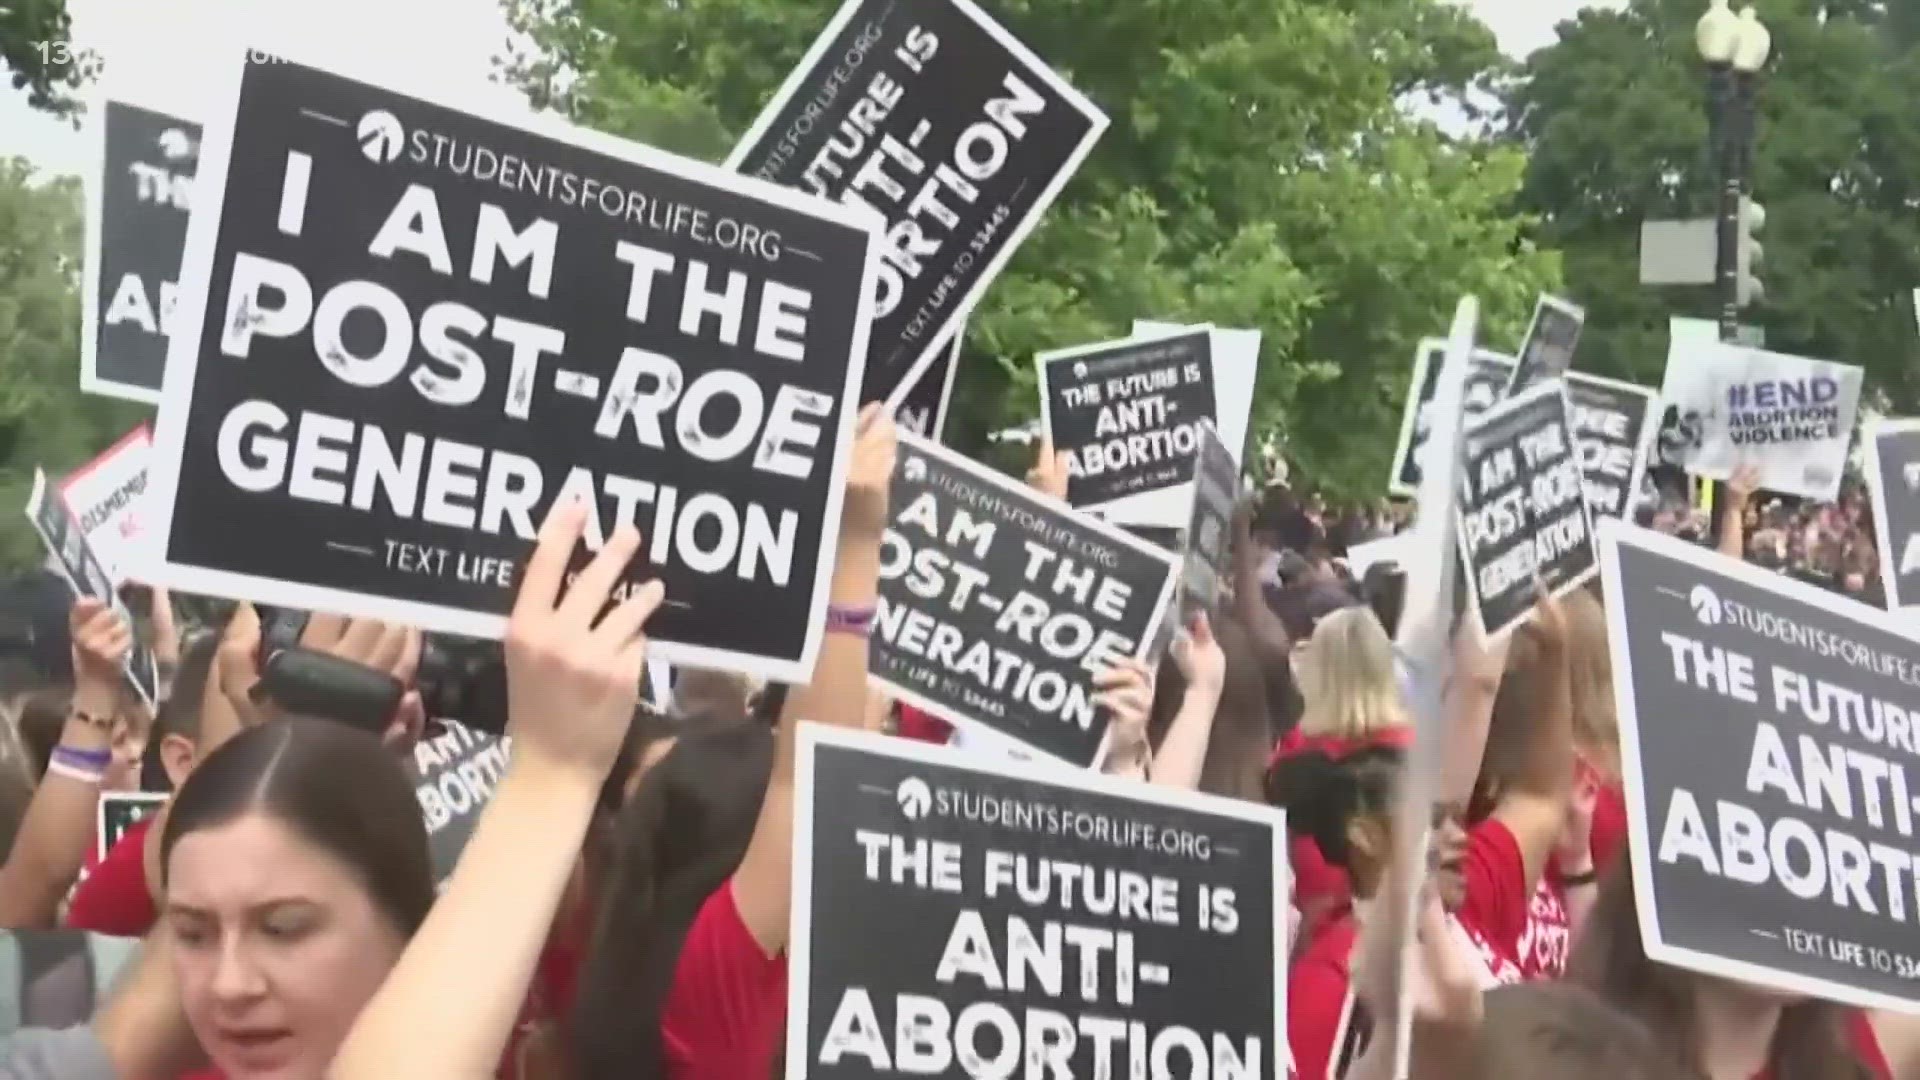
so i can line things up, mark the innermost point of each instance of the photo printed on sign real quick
(1893, 482)
(1523, 513)
(414, 328)
(1069, 921)
(136, 229)
(933, 116)
(1768, 732)
(1129, 413)
(998, 605)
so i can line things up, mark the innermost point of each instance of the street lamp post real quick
(1735, 48)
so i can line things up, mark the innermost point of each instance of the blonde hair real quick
(1348, 683)
(1596, 729)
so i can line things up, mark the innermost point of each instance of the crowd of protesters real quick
(622, 908)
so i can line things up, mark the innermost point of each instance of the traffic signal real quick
(1753, 218)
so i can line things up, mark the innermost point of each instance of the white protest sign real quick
(106, 495)
(1789, 416)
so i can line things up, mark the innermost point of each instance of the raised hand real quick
(101, 642)
(870, 476)
(1199, 656)
(1049, 472)
(573, 676)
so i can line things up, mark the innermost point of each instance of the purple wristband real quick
(857, 621)
(92, 760)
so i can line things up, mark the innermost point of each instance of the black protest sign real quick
(923, 410)
(1614, 423)
(410, 329)
(1069, 921)
(1768, 791)
(1209, 537)
(1487, 376)
(1547, 352)
(454, 777)
(1522, 511)
(1129, 413)
(937, 119)
(998, 605)
(118, 812)
(136, 228)
(1893, 482)
(66, 541)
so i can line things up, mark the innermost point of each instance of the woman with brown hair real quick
(1723, 1030)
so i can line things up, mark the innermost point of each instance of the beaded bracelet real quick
(101, 723)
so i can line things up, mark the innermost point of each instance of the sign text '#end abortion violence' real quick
(1728, 839)
(1059, 959)
(648, 398)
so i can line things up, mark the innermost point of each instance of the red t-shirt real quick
(723, 1016)
(922, 726)
(114, 898)
(1317, 986)
(1609, 836)
(1494, 910)
(1548, 938)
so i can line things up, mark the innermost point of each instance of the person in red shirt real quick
(1722, 1029)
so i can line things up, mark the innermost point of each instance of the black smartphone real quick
(305, 682)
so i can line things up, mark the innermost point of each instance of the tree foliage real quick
(1615, 119)
(44, 419)
(36, 47)
(1258, 172)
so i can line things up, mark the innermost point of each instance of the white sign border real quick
(183, 355)
(95, 181)
(800, 912)
(1613, 535)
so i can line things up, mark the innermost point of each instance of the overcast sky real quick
(457, 39)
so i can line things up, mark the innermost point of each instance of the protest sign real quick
(70, 556)
(1547, 352)
(454, 777)
(120, 811)
(1791, 417)
(1487, 375)
(932, 116)
(1129, 415)
(1893, 481)
(1364, 556)
(1236, 373)
(678, 346)
(1771, 808)
(1523, 510)
(136, 227)
(108, 496)
(923, 410)
(1209, 536)
(1070, 921)
(998, 605)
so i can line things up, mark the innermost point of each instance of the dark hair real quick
(1610, 958)
(1566, 1032)
(1385, 590)
(675, 843)
(1323, 793)
(1244, 729)
(333, 785)
(43, 716)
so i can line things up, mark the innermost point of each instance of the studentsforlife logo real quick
(1706, 605)
(381, 136)
(915, 798)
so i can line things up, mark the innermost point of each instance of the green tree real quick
(45, 420)
(1258, 172)
(1614, 116)
(36, 46)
